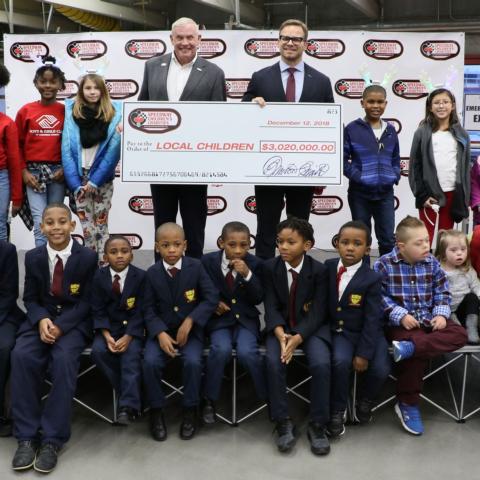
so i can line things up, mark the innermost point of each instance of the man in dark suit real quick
(289, 80)
(183, 76)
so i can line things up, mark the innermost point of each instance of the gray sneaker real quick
(25, 455)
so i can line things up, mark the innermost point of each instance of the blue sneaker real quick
(402, 350)
(410, 417)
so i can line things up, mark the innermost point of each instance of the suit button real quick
(339, 309)
(125, 322)
(340, 322)
(234, 301)
(175, 309)
(237, 315)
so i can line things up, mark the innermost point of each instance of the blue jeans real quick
(54, 193)
(4, 202)
(383, 212)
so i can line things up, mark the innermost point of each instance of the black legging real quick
(469, 305)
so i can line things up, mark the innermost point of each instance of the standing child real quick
(117, 318)
(90, 153)
(371, 161)
(416, 301)
(439, 172)
(453, 253)
(40, 127)
(58, 326)
(10, 167)
(179, 300)
(296, 288)
(356, 321)
(236, 274)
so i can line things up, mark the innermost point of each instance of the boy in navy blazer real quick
(118, 321)
(179, 300)
(57, 328)
(236, 274)
(10, 317)
(295, 315)
(356, 320)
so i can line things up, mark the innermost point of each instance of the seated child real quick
(416, 300)
(235, 273)
(296, 289)
(118, 321)
(356, 321)
(58, 327)
(179, 299)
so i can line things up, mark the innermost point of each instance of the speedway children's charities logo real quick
(154, 120)
(134, 239)
(262, 47)
(439, 49)
(141, 205)
(324, 48)
(404, 166)
(382, 49)
(215, 205)
(250, 204)
(121, 89)
(409, 89)
(236, 87)
(211, 48)
(28, 51)
(350, 87)
(326, 205)
(143, 49)
(70, 90)
(87, 49)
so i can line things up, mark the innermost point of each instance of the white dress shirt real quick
(347, 276)
(177, 77)
(299, 77)
(298, 268)
(122, 275)
(226, 269)
(63, 254)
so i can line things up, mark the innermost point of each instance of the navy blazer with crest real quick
(73, 309)
(205, 83)
(359, 313)
(244, 297)
(119, 314)
(9, 310)
(311, 299)
(267, 83)
(193, 295)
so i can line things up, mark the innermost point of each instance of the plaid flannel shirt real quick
(420, 290)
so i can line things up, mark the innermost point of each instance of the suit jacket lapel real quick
(277, 84)
(44, 266)
(71, 266)
(304, 279)
(308, 84)
(130, 281)
(281, 280)
(162, 77)
(199, 69)
(352, 284)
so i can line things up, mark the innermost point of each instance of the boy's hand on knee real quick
(222, 308)
(167, 344)
(44, 329)
(122, 343)
(110, 341)
(56, 331)
(360, 364)
(183, 331)
(439, 322)
(293, 341)
(282, 339)
(408, 322)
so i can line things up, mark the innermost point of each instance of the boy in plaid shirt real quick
(416, 301)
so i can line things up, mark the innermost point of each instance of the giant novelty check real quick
(218, 142)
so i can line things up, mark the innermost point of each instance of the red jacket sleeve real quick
(21, 129)
(13, 162)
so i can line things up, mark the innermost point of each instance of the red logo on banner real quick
(350, 87)
(250, 204)
(236, 87)
(211, 47)
(71, 89)
(383, 49)
(143, 49)
(134, 239)
(409, 89)
(121, 89)
(326, 205)
(395, 123)
(141, 205)
(325, 48)
(154, 120)
(215, 205)
(439, 49)
(404, 166)
(28, 51)
(87, 49)
(262, 47)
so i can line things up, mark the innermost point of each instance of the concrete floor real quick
(99, 451)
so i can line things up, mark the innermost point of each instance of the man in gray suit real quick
(183, 76)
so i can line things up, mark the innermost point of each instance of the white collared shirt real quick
(347, 276)
(63, 254)
(226, 269)
(299, 77)
(167, 266)
(298, 268)
(177, 77)
(122, 275)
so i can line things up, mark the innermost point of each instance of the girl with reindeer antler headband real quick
(90, 153)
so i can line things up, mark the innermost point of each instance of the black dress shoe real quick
(188, 428)
(363, 410)
(46, 459)
(208, 412)
(126, 416)
(319, 444)
(158, 429)
(336, 425)
(286, 432)
(24, 457)
(5, 427)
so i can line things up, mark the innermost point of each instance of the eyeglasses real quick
(294, 40)
(441, 102)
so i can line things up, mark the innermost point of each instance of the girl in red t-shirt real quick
(40, 126)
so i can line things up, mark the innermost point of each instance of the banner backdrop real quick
(344, 56)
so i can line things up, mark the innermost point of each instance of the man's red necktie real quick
(290, 91)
